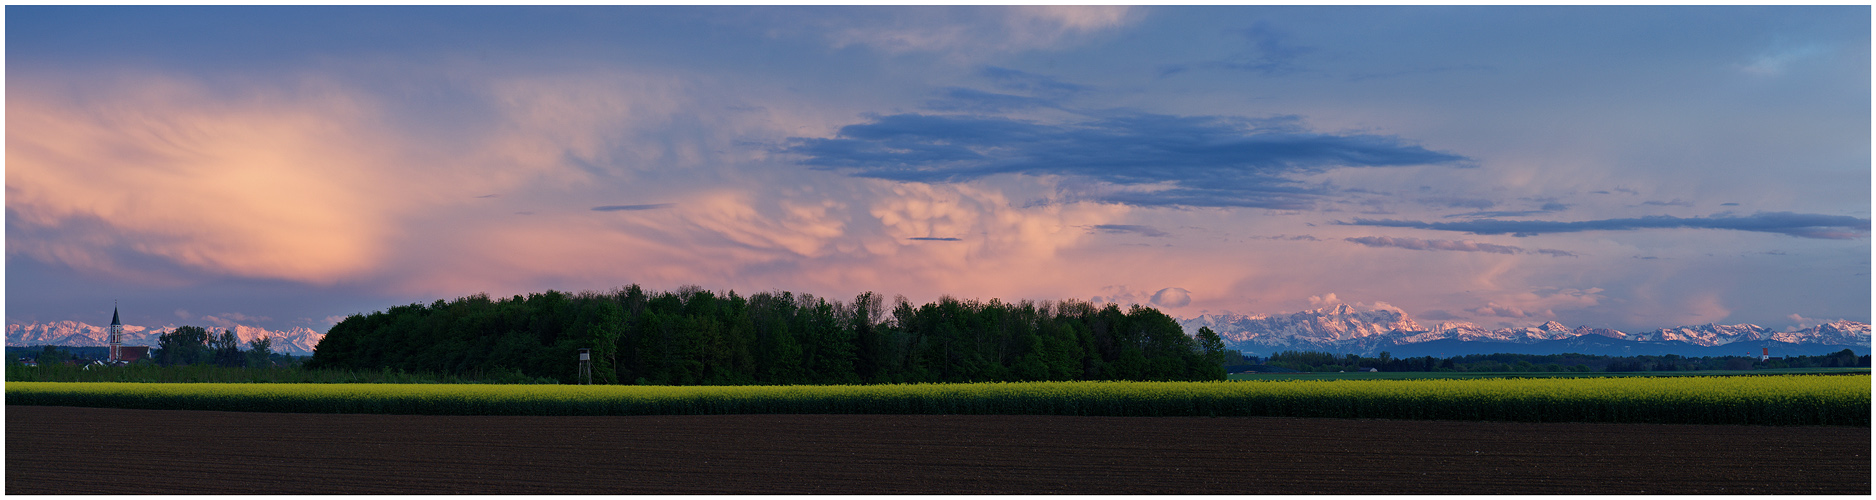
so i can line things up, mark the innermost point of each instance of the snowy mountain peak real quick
(1341, 326)
(297, 340)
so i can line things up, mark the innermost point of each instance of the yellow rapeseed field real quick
(1758, 400)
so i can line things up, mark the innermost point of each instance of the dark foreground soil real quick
(89, 450)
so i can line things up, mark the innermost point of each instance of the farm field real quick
(60, 450)
(1780, 400)
(1473, 375)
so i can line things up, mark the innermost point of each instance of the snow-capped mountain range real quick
(296, 340)
(1346, 329)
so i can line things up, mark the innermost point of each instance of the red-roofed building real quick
(133, 353)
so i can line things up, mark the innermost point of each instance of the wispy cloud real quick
(1548, 207)
(1023, 81)
(928, 238)
(230, 320)
(1131, 228)
(633, 208)
(1774, 60)
(1269, 52)
(965, 32)
(1449, 245)
(1836, 227)
(1146, 159)
(973, 100)
(1300, 237)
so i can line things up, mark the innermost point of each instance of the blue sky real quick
(1625, 167)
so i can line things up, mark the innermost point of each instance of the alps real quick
(1369, 330)
(297, 340)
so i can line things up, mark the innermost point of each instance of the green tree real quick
(49, 355)
(226, 349)
(186, 345)
(260, 352)
(1213, 348)
(604, 331)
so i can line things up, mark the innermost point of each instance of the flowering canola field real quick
(1757, 400)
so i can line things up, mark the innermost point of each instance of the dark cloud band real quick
(1838, 227)
(1450, 245)
(1187, 160)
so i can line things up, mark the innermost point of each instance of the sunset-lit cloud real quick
(247, 184)
(1198, 160)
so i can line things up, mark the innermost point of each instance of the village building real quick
(121, 354)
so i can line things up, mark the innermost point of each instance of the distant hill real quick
(1343, 329)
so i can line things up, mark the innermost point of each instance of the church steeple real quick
(117, 335)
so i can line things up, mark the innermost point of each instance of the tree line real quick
(694, 336)
(1308, 361)
(194, 345)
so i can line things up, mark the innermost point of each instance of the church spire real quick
(117, 335)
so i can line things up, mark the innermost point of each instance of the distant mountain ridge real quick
(297, 340)
(1345, 329)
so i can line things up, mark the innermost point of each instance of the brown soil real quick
(91, 450)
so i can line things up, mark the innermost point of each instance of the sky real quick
(1619, 167)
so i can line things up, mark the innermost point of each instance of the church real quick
(121, 354)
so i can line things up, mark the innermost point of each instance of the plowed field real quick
(91, 450)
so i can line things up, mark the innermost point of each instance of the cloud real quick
(1451, 245)
(1502, 311)
(934, 239)
(1034, 84)
(1172, 297)
(1439, 315)
(1450, 202)
(1547, 207)
(322, 179)
(964, 99)
(1838, 227)
(1539, 302)
(1300, 237)
(281, 183)
(1139, 159)
(1420, 244)
(1424, 71)
(970, 32)
(1149, 231)
(1802, 322)
(1774, 61)
(633, 208)
(231, 320)
(1270, 53)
